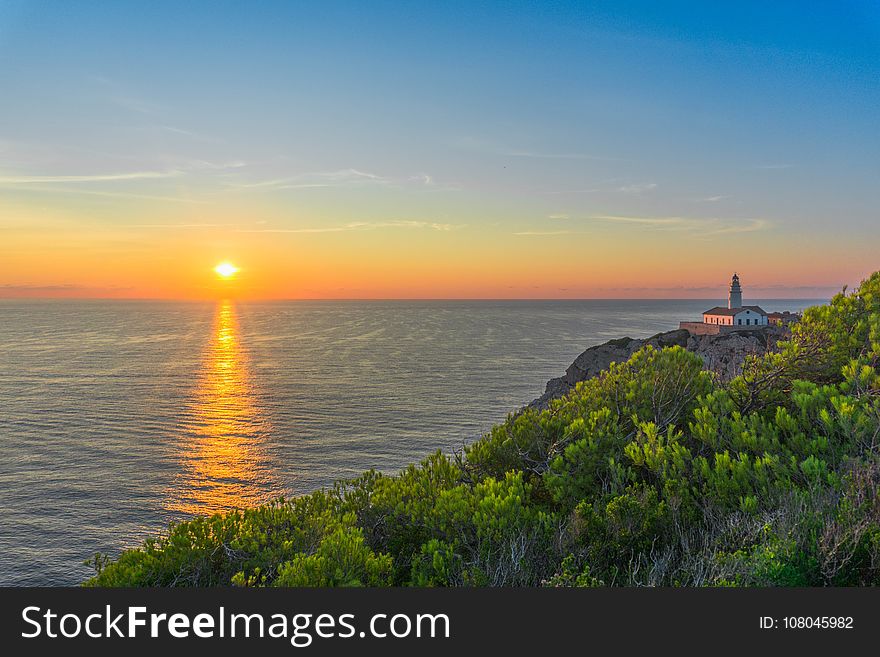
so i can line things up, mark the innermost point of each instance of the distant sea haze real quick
(117, 417)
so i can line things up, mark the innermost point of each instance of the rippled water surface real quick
(116, 417)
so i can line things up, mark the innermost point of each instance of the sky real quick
(438, 150)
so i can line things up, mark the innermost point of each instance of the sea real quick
(117, 417)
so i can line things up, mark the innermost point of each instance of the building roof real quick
(721, 310)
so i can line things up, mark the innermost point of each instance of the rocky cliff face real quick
(723, 354)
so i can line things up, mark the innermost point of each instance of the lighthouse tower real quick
(735, 297)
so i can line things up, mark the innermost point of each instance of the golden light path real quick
(224, 454)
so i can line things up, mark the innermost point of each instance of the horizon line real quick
(328, 299)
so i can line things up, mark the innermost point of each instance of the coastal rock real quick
(723, 354)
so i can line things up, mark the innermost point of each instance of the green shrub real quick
(342, 559)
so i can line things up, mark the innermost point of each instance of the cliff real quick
(723, 354)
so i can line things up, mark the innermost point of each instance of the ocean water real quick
(119, 416)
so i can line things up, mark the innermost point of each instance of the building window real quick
(739, 321)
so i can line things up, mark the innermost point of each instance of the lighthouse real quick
(735, 296)
(733, 318)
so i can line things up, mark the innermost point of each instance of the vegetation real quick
(650, 474)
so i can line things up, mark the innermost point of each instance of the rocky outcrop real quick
(723, 354)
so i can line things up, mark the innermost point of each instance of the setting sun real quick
(226, 270)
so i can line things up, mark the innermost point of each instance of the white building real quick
(736, 314)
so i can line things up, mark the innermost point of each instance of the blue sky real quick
(548, 127)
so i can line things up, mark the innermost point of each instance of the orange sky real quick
(63, 250)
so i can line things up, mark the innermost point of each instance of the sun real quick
(226, 270)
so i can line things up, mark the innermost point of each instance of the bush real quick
(342, 559)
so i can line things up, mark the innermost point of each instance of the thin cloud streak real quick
(344, 178)
(100, 177)
(751, 226)
(637, 188)
(318, 179)
(669, 222)
(694, 227)
(11, 290)
(556, 156)
(698, 227)
(95, 192)
(183, 226)
(711, 291)
(358, 225)
(494, 148)
(543, 232)
(593, 190)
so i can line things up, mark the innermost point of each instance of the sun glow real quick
(226, 270)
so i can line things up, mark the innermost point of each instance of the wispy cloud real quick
(98, 177)
(606, 186)
(637, 188)
(51, 290)
(36, 162)
(122, 95)
(750, 226)
(359, 225)
(190, 134)
(663, 222)
(704, 227)
(561, 215)
(586, 190)
(756, 290)
(489, 147)
(426, 182)
(26, 287)
(88, 191)
(552, 156)
(711, 199)
(317, 179)
(183, 226)
(832, 288)
(542, 232)
(207, 165)
(137, 105)
(349, 177)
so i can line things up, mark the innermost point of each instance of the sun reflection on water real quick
(225, 433)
